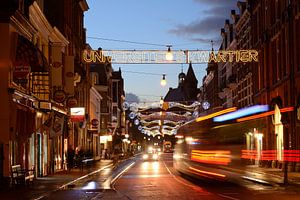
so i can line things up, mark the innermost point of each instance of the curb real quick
(73, 181)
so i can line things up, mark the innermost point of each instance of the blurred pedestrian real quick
(70, 157)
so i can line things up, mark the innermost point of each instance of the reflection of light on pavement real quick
(91, 185)
(155, 167)
(151, 176)
(256, 180)
(149, 167)
(82, 177)
(145, 166)
(106, 171)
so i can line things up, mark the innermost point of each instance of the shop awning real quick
(30, 55)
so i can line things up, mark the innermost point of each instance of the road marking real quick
(180, 181)
(122, 172)
(228, 197)
(82, 177)
(113, 181)
(196, 188)
(147, 176)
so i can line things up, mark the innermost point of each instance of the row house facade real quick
(42, 78)
(118, 113)
(110, 85)
(271, 28)
(210, 89)
(275, 31)
(242, 26)
(33, 125)
(67, 16)
(101, 80)
(93, 137)
(232, 80)
(227, 71)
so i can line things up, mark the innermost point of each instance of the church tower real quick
(181, 78)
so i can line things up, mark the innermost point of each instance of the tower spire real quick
(212, 45)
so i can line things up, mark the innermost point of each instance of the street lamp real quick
(161, 101)
(169, 55)
(163, 81)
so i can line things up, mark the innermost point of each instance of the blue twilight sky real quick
(184, 24)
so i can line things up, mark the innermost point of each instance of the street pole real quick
(286, 141)
(285, 173)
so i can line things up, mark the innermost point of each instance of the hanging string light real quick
(169, 54)
(161, 101)
(163, 81)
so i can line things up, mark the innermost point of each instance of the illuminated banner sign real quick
(77, 114)
(168, 57)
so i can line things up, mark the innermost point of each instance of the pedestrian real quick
(70, 157)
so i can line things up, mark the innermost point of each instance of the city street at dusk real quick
(150, 99)
(139, 179)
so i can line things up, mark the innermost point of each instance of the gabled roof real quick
(190, 75)
(117, 74)
(102, 73)
(175, 95)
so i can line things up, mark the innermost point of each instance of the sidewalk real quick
(276, 175)
(45, 185)
(268, 176)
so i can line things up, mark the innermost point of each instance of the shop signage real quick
(59, 96)
(45, 105)
(177, 56)
(77, 114)
(95, 122)
(105, 138)
(109, 138)
(71, 102)
(57, 127)
(56, 64)
(21, 70)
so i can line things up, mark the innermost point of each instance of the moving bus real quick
(226, 149)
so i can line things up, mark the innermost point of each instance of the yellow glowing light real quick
(161, 100)
(163, 81)
(287, 109)
(219, 157)
(39, 114)
(94, 56)
(216, 114)
(207, 173)
(169, 54)
(141, 56)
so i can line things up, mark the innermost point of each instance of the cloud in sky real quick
(130, 97)
(206, 26)
(221, 3)
(209, 23)
(216, 40)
